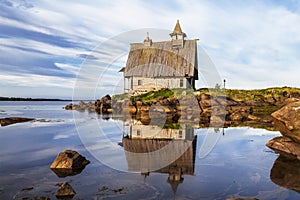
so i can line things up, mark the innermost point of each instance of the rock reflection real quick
(286, 173)
(146, 139)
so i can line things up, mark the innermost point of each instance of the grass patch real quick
(264, 110)
(119, 96)
(172, 126)
(165, 93)
(255, 95)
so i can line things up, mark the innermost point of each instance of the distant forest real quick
(28, 99)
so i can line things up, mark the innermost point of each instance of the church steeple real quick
(177, 36)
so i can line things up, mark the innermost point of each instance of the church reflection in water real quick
(174, 147)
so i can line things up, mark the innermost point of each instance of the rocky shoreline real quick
(203, 110)
(287, 121)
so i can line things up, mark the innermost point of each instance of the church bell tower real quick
(177, 37)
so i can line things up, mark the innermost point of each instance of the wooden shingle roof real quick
(161, 60)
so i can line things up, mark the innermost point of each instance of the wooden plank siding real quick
(140, 84)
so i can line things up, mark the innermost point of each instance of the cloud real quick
(32, 80)
(246, 40)
(87, 56)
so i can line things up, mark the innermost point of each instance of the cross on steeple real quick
(147, 41)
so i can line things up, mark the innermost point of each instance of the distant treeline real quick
(29, 99)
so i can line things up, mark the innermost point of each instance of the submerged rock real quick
(13, 120)
(65, 191)
(68, 163)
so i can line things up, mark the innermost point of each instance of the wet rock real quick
(68, 163)
(27, 189)
(285, 145)
(65, 191)
(253, 118)
(69, 106)
(286, 173)
(104, 105)
(13, 120)
(287, 121)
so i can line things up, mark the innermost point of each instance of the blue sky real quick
(44, 44)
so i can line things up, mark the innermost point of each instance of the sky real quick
(48, 48)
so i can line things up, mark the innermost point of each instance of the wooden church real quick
(163, 64)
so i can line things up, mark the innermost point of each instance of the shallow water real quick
(235, 163)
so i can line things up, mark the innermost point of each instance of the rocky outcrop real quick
(202, 109)
(65, 191)
(286, 173)
(13, 120)
(81, 106)
(287, 121)
(103, 106)
(285, 145)
(68, 163)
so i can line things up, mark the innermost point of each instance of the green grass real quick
(120, 96)
(238, 95)
(165, 93)
(264, 110)
(172, 126)
(247, 95)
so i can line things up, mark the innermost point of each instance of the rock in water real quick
(68, 163)
(12, 120)
(65, 191)
(285, 145)
(287, 120)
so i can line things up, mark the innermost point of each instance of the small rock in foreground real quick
(65, 191)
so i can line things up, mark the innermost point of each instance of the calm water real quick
(220, 164)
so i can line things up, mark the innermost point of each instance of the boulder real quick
(68, 163)
(285, 146)
(69, 106)
(65, 191)
(13, 120)
(287, 121)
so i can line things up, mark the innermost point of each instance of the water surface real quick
(239, 165)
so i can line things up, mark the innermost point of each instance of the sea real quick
(212, 163)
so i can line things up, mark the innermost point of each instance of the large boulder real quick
(68, 163)
(287, 121)
(285, 145)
